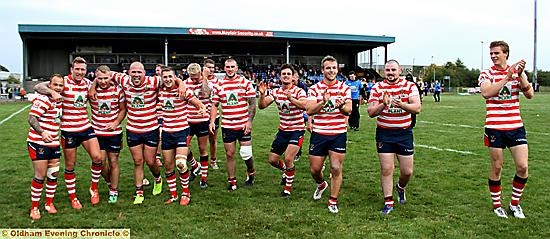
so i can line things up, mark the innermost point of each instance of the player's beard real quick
(391, 78)
(231, 76)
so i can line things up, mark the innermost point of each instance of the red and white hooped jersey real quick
(105, 109)
(214, 80)
(329, 121)
(174, 109)
(394, 117)
(49, 116)
(75, 98)
(206, 100)
(291, 117)
(232, 94)
(141, 103)
(502, 110)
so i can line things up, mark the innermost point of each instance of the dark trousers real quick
(437, 96)
(355, 115)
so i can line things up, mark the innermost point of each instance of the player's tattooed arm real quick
(251, 107)
(44, 88)
(33, 122)
(205, 87)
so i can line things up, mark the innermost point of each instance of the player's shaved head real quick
(138, 65)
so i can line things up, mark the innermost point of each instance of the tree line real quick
(464, 77)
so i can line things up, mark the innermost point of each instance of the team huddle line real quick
(163, 114)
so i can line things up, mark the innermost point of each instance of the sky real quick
(425, 31)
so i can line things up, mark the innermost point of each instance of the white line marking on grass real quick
(9, 117)
(444, 131)
(440, 149)
(541, 133)
(452, 125)
(474, 127)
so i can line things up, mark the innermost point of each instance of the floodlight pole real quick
(481, 57)
(535, 48)
(287, 52)
(434, 67)
(165, 51)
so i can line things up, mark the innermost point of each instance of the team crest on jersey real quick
(104, 107)
(284, 107)
(79, 100)
(393, 109)
(232, 98)
(505, 93)
(40, 150)
(168, 104)
(330, 106)
(138, 102)
(493, 138)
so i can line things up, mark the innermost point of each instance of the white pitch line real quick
(541, 133)
(449, 150)
(452, 125)
(9, 117)
(463, 126)
(475, 127)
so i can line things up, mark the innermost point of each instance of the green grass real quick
(447, 198)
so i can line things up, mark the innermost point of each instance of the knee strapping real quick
(246, 152)
(181, 162)
(52, 172)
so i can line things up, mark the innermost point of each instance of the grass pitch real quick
(448, 195)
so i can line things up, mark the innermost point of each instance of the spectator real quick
(10, 92)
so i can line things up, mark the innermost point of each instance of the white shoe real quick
(319, 190)
(500, 212)
(214, 165)
(333, 208)
(516, 211)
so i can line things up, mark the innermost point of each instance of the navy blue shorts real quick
(71, 140)
(230, 136)
(504, 138)
(111, 144)
(41, 152)
(398, 141)
(150, 138)
(173, 140)
(284, 138)
(319, 144)
(199, 129)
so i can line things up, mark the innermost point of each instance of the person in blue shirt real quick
(355, 86)
(437, 91)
